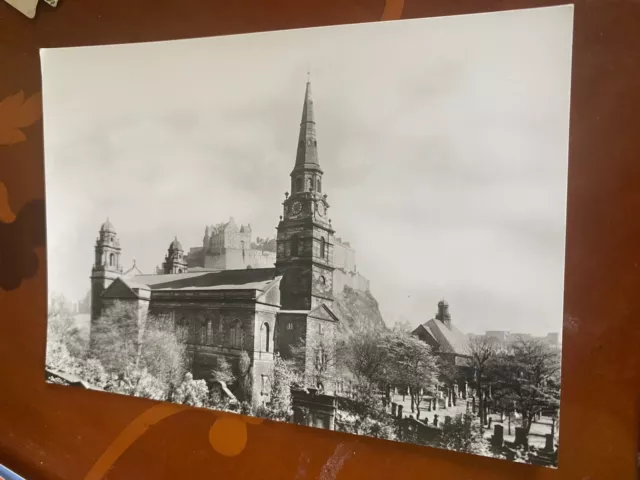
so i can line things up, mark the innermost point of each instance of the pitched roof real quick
(450, 338)
(323, 312)
(245, 279)
(134, 270)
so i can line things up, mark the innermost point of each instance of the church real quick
(260, 311)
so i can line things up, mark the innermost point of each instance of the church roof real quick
(175, 245)
(107, 227)
(245, 279)
(134, 270)
(449, 338)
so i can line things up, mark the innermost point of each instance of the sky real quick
(444, 143)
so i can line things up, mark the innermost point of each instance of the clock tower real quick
(304, 241)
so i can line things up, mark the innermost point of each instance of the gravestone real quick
(497, 439)
(548, 443)
(394, 407)
(447, 420)
(435, 420)
(521, 437)
(400, 411)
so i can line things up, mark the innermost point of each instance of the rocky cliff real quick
(357, 310)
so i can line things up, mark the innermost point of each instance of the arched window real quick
(309, 184)
(264, 337)
(295, 246)
(112, 259)
(323, 281)
(323, 247)
(319, 186)
(298, 184)
(236, 335)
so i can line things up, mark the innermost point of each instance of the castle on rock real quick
(231, 296)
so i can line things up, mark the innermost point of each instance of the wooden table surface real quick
(51, 432)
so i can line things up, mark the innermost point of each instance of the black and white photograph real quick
(358, 228)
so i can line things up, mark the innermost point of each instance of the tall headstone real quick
(497, 439)
(548, 443)
(400, 411)
(521, 437)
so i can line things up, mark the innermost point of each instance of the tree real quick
(365, 356)
(138, 383)
(115, 337)
(94, 373)
(245, 377)
(412, 365)
(192, 392)
(481, 350)
(281, 378)
(402, 326)
(162, 353)
(529, 377)
(317, 359)
(448, 374)
(460, 434)
(223, 372)
(62, 327)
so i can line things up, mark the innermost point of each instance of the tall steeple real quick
(307, 154)
(304, 242)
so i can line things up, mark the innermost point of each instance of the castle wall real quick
(354, 280)
(233, 259)
(344, 256)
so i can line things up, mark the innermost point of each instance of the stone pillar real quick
(497, 440)
(521, 437)
(400, 411)
(548, 443)
(394, 407)
(553, 426)
(489, 423)
(466, 390)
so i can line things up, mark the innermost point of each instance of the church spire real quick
(307, 154)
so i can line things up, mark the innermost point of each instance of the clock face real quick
(296, 208)
(321, 209)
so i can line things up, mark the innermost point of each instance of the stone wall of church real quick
(290, 328)
(320, 339)
(211, 331)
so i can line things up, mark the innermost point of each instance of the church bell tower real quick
(106, 266)
(304, 241)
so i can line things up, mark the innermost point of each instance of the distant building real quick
(443, 337)
(229, 247)
(507, 338)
